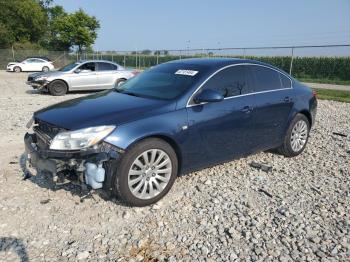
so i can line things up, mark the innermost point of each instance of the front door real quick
(84, 78)
(222, 130)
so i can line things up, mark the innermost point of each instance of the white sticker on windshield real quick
(186, 72)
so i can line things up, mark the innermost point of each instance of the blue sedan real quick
(180, 116)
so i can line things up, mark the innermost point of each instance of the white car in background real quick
(88, 75)
(32, 64)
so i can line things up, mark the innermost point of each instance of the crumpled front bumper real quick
(55, 161)
(38, 84)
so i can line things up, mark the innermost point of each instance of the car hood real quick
(47, 74)
(103, 108)
(13, 63)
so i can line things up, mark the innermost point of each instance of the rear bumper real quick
(313, 110)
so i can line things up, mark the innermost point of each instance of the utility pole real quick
(291, 62)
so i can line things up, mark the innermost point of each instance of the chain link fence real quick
(326, 63)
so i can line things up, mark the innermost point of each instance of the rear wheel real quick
(119, 82)
(17, 69)
(296, 137)
(45, 69)
(146, 172)
(58, 88)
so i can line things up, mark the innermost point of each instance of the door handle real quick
(287, 99)
(247, 109)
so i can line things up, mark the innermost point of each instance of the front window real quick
(166, 81)
(69, 67)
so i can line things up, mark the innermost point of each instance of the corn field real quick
(310, 69)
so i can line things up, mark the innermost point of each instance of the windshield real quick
(68, 67)
(166, 81)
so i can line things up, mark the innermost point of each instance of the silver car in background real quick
(81, 75)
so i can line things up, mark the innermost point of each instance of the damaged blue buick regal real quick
(134, 140)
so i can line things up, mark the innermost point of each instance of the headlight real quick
(40, 78)
(81, 138)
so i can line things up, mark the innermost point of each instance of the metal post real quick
(112, 58)
(158, 57)
(124, 60)
(291, 62)
(13, 54)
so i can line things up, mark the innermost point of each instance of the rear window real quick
(106, 67)
(166, 81)
(265, 79)
(285, 81)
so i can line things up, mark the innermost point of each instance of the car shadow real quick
(10, 243)
(71, 185)
(39, 92)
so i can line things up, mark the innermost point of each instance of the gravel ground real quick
(297, 211)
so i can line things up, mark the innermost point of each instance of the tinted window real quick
(265, 79)
(285, 81)
(229, 82)
(165, 81)
(106, 67)
(35, 60)
(68, 67)
(88, 66)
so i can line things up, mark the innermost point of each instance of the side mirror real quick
(77, 71)
(208, 95)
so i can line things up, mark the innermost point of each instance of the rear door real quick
(38, 64)
(85, 79)
(222, 130)
(106, 75)
(274, 102)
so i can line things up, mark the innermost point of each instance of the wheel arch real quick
(59, 79)
(308, 115)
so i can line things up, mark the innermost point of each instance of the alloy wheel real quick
(299, 135)
(149, 174)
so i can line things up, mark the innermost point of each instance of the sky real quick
(182, 24)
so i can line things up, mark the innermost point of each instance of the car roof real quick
(96, 60)
(40, 57)
(217, 63)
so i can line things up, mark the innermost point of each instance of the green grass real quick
(324, 81)
(335, 95)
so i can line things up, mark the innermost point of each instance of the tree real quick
(76, 29)
(21, 21)
(39, 23)
(146, 52)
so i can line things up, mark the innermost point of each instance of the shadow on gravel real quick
(45, 180)
(14, 244)
(38, 92)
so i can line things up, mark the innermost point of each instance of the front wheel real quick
(17, 69)
(296, 137)
(58, 88)
(146, 172)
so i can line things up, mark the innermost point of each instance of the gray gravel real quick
(297, 211)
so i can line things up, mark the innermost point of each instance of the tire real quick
(119, 82)
(58, 88)
(17, 69)
(45, 69)
(301, 123)
(126, 172)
